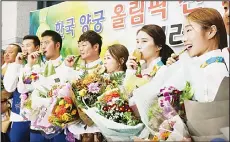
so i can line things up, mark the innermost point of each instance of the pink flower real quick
(93, 88)
(166, 94)
(23, 97)
(161, 90)
(55, 92)
(68, 86)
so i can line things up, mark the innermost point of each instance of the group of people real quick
(204, 63)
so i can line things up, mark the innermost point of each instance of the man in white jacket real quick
(89, 45)
(20, 129)
(51, 43)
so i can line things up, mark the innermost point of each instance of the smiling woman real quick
(204, 31)
(204, 37)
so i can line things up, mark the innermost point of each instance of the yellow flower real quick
(66, 117)
(155, 138)
(83, 92)
(109, 87)
(32, 77)
(50, 119)
(68, 105)
(114, 82)
(165, 135)
(62, 102)
(74, 112)
(57, 109)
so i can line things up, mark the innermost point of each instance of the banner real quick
(115, 21)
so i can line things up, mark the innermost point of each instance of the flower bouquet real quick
(114, 117)
(25, 107)
(63, 113)
(176, 98)
(112, 106)
(165, 124)
(165, 106)
(29, 78)
(86, 90)
(54, 108)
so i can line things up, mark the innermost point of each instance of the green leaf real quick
(154, 109)
(118, 77)
(187, 93)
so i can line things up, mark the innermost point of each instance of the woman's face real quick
(195, 39)
(145, 43)
(111, 64)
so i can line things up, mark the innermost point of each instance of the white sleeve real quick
(128, 73)
(11, 77)
(67, 73)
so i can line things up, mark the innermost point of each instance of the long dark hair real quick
(159, 38)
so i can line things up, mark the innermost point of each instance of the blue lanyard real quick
(212, 60)
(156, 68)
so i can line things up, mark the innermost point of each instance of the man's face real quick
(28, 46)
(87, 51)
(226, 16)
(10, 53)
(49, 48)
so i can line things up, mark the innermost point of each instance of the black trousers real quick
(4, 137)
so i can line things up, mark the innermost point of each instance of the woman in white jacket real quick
(204, 37)
(151, 42)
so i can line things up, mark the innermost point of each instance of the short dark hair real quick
(19, 49)
(56, 37)
(34, 38)
(92, 37)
